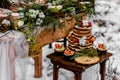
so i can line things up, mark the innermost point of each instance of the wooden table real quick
(77, 69)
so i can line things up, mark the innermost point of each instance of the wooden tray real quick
(85, 60)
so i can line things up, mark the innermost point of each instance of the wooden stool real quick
(77, 69)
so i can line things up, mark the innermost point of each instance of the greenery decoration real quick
(52, 13)
(86, 52)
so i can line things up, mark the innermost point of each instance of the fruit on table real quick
(92, 39)
(68, 52)
(59, 48)
(57, 45)
(75, 40)
(82, 26)
(100, 45)
(89, 24)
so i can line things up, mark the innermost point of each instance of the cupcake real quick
(68, 54)
(101, 49)
(59, 49)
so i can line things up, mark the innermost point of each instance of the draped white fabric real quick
(12, 44)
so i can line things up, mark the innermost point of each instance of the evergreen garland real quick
(86, 52)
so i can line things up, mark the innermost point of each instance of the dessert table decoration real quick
(59, 49)
(68, 54)
(100, 44)
(101, 49)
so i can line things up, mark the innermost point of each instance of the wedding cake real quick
(81, 37)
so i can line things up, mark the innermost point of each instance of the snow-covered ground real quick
(108, 18)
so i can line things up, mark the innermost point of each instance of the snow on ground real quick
(108, 18)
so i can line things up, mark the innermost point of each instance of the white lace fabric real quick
(12, 44)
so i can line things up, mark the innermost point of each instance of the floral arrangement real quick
(84, 24)
(51, 14)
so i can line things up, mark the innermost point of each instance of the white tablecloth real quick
(12, 44)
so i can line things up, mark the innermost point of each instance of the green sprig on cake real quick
(85, 52)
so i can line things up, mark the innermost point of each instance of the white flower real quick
(41, 21)
(82, 41)
(59, 7)
(20, 9)
(37, 23)
(52, 7)
(20, 23)
(6, 22)
(41, 15)
(38, 19)
(21, 15)
(54, 2)
(31, 10)
(86, 2)
(49, 4)
(33, 15)
(82, 3)
(36, 12)
(85, 22)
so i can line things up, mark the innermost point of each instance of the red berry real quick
(82, 26)
(92, 39)
(75, 40)
(67, 52)
(89, 24)
(57, 45)
(100, 45)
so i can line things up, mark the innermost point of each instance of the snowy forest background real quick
(107, 22)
